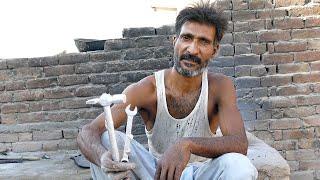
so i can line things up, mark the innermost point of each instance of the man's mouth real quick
(189, 63)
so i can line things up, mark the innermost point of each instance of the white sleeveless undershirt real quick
(167, 129)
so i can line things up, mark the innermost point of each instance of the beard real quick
(188, 57)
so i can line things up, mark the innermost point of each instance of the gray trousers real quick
(230, 166)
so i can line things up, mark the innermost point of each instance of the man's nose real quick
(193, 48)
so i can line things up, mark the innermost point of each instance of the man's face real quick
(193, 48)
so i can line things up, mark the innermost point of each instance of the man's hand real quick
(116, 170)
(173, 161)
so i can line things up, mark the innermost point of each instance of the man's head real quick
(199, 29)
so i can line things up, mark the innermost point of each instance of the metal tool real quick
(106, 100)
(129, 136)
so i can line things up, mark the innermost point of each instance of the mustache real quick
(190, 57)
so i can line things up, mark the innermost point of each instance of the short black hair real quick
(203, 12)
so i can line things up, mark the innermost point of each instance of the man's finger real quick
(171, 173)
(119, 175)
(163, 173)
(177, 173)
(119, 166)
(158, 171)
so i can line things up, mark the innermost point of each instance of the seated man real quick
(182, 108)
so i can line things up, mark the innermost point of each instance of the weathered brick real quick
(264, 135)
(243, 15)
(43, 61)
(256, 25)
(290, 46)
(227, 39)
(298, 133)
(270, 48)
(259, 48)
(294, 166)
(90, 68)
(105, 78)
(305, 33)
(241, 26)
(15, 85)
(106, 56)
(286, 3)
(278, 58)
(5, 75)
(46, 135)
(259, 92)
(300, 175)
(247, 104)
(5, 97)
(86, 91)
(271, 13)
(70, 133)
(41, 83)
(304, 11)
(27, 72)
(67, 80)
(8, 119)
(62, 115)
(274, 35)
(258, 71)
(248, 115)
(312, 99)
(259, 4)
(278, 102)
(147, 53)
(277, 134)
(59, 70)
(285, 145)
(262, 125)
(225, 5)
(307, 56)
(292, 68)
(248, 59)
(308, 143)
(73, 103)
(135, 76)
(26, 146)
(245, 37)
(293, 90)
(28, 95)
(272, 91)
(288, 23)
(91, 113)
(118, 87)
(30, 117)
(313, 120)
(309, 165)
(312, 22)
(25, 136)
(136, 32)
(242, 48)
(153, 41)
(73, 58)
(242, 71)
(314, 44)
(14, 107)
(12, 137)
(118, 44)
(16, 63)
(50, 145)
(58, 93)
(226, 50)
(299, 112)
(244, 93)
(3, 64)
(68, 144)
(276, 80)
(43, 105)
(304, 78)
(168, 29)
(247, 82)
(286, 123)
(315, 66)
(222, 62)
(239, 5)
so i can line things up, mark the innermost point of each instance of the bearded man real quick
(182, 109)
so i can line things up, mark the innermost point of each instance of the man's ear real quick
(174, 39)
(215, 49)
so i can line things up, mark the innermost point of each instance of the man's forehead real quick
(198, 29)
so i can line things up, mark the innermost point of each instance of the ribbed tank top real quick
(167, 129)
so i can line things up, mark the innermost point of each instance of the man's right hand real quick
(117, 170)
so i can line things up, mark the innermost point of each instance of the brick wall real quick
(271, 50)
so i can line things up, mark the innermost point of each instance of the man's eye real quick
(205, 42)
(186, 38)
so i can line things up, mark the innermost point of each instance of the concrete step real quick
(59, 166)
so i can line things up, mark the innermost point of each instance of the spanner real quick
(129, 136)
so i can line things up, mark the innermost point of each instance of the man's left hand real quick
(173, 161)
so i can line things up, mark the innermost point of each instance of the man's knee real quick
(237, 166)
(119, 138)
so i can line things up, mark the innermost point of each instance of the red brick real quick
(14, 107)
(315, 66)
(278, 102)
(277, 134)
(28, 95)
(247, 37)
(286, 3)
(67, 80)
(312, 99)
(314, 44)
(256, 25)
(307, 56)
(8, 119)
(307, 143)
(290, 46)
(28, 72)
(274, 35)
(288, 23)
(43, 105)
(5, 97)
(243, 15)
(13, 137)
(312, 22)
(298, 133)
(58, 93)
(286, 123)
(310, 165)
(305, 33)
(258, 48)
(292, 68)
(270, 47)
(305, 78)
(285, 145)
(311, 121)
(15, 85)
(41, 83)
(298, 112)
(293, 90)
(278, 58)
(30, 117)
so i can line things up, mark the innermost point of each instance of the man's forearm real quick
(90, 145)
(216, 146)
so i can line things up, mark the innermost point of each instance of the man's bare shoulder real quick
(219, 80)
